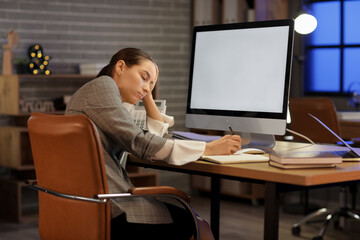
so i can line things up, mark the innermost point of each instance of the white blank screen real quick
(240, 70)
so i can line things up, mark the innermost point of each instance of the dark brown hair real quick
(131, 56)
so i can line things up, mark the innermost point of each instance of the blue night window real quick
(324, 70)
(352, 70)
(351, 22)
(327, 31)
(333, 50)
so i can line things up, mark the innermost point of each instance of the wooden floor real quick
(239, 220)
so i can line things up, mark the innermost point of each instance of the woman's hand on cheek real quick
(151, 109)
(148, 98)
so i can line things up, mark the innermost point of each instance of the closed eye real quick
(145, 75)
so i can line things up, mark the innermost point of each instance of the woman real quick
(108, 101)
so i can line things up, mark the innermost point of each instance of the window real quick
(333, 49)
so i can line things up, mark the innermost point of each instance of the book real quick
(305, 157)
(300, 166)
(238, 158)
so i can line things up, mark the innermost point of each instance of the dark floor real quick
(239, 220)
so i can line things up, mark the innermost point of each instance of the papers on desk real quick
(236, 158)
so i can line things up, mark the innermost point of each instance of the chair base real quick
(336, 215)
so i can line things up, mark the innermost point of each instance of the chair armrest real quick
(148, 191)
(158, 191)
(33, 185)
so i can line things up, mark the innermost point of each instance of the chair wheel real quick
(317, 238)
(296, 230)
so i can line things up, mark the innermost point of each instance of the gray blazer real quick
(100, 100)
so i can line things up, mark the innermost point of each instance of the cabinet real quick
(15, 150)
(20, 95)
(18, 202)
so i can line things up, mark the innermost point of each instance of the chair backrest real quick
(322, 108)
(68, 159)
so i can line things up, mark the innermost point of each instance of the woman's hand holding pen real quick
(226, 145)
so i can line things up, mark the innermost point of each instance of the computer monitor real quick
(239, 77)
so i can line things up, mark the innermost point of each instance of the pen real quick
(232, 132)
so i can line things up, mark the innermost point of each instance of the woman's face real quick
(136, 81)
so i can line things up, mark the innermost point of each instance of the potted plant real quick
(21, 65)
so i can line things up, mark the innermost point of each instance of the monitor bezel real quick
(261, 24)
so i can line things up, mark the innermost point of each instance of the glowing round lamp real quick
(305, 24)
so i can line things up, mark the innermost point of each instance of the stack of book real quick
(304, 159)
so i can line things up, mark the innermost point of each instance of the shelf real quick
(55, 76)
(22, 89)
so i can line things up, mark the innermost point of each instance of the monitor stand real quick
(258, 140)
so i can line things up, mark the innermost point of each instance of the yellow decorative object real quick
(38, 61)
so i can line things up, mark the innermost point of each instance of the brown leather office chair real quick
(72, 184)
(324, 109)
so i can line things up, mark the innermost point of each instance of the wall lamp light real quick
(305, 23)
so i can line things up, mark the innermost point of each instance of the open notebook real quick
(237, 158)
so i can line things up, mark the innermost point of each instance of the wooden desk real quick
(275, 180)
